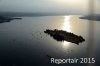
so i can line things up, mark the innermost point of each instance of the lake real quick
(24, 43)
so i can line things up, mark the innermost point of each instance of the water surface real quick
(24, 43)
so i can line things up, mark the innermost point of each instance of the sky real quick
(48, 6)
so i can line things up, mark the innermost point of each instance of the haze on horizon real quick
(48, 6)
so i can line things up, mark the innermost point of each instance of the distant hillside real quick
(21, 14)
(95, 17)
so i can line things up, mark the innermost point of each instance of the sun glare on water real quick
(66, 27)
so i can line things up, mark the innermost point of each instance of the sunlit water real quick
(66, 27)
(23, 42)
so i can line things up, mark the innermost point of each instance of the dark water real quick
(24, 43)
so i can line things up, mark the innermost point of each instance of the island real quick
(91, 17)
(8, 19)
(61, 35)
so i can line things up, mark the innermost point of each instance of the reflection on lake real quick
(66, 27)
(23, 43)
